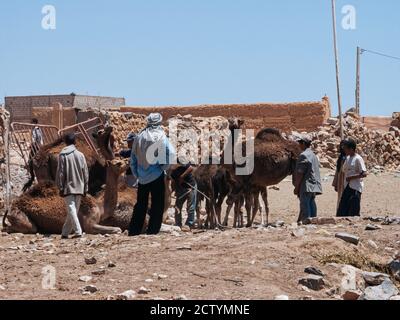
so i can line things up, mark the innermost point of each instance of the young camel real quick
(212, 181)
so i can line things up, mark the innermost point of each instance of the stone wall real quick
(302, 116)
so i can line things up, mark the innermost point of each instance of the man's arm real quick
(134, 165)
(85, 174)
(301, 168)
(170, 154)
(188, 171)
(297, 182)
(60, 176)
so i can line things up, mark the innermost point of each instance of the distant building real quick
(21, 107)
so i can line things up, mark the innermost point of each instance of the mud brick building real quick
(299, 116)
(23, 108)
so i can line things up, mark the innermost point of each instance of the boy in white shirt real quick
(355, 172)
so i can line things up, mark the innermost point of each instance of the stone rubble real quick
(380, 150)
(212, 129)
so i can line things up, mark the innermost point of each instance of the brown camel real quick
(274, 159)
(212, 181)
(43, 210)
(43, 166)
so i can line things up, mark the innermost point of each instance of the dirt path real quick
(257, 263)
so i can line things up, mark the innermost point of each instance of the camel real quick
(43, 210)
(274, 159)
(43, 165)
(212, 181)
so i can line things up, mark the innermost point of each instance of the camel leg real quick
(256, 207)
(249, 205)
(264, 195)
(235, 215)
(230, 203)
(198, 210)
(242, 199)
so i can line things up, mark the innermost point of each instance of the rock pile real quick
(186, 131)
(124, 123)
(198, 134)
(380, 150)
(396, 120)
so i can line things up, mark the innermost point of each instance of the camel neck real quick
(111, 192)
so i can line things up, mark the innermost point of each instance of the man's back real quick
(72, 172)
(309, 164)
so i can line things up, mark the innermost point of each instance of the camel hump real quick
(269, 134)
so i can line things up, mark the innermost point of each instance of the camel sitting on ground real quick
(274, 159)
(43, 210)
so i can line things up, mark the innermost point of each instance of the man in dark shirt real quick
(185, 190)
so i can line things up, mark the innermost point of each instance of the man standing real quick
(151, 152)
(307, 180)
(37, 135)
(72, 179)
(185, 191)
(355, 171)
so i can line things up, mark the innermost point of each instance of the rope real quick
(380, 54)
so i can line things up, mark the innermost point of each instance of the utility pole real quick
(337, 69)
(359, 51)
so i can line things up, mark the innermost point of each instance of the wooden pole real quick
(358, 81)
(337, 69)
(7, 160)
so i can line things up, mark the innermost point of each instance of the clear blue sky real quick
(183, 52)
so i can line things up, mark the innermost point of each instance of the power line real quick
(381, 54)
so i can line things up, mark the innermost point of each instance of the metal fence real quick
(23, 137)
(85, 130)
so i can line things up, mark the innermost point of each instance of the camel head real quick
(235, 123)
(105, 142)
(117, 166)
(18, 222)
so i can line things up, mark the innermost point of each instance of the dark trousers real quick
(350, 203)
(157, 191)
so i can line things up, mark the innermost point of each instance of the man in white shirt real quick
(355, 172)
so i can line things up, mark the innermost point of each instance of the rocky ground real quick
(257, 263)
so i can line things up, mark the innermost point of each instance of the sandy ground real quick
(257, 263)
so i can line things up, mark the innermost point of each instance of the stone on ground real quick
(385, 291)
(313, 282)
(314, 271)
(350, 238)
(374, 278)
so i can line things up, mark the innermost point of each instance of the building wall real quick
(21, 108)
(91, 102)
(302, 116)
(377, 123)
